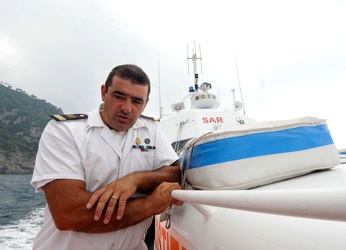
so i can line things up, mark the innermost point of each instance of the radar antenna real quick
(236, 104)
(241, 94)
(194, 59)
(160, 106)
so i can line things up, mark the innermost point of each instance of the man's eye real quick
(137, 102)
(119, 97)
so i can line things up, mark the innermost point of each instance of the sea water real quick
(21, 212)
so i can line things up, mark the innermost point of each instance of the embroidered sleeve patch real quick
(67, 117)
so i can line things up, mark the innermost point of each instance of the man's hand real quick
(161, 197)
(119, 191)
(116, 192)
(67, 198)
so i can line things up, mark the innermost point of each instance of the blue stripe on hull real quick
(260, 144)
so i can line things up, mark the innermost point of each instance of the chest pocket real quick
(100, 170)
(141, 160)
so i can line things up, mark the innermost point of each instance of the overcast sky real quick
(291, 55)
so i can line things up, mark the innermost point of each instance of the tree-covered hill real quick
(22, 120)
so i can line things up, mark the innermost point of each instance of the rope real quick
(190, 147)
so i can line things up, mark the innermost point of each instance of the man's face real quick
(123, 103)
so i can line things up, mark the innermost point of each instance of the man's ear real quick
(103, 92)
(146, 102)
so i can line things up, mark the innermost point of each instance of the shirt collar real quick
(95, 120)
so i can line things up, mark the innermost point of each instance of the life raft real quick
(247, 156)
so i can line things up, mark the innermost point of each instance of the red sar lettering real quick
(212, 120)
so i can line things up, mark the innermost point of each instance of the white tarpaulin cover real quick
(247, 156)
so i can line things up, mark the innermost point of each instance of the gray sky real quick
(291, 55)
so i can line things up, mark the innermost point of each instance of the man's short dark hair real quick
(129, 72)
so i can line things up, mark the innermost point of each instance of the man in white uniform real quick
(107, 173)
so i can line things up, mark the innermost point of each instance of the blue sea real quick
(21, 212)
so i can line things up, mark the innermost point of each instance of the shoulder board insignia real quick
(61, 118)
(151, 118)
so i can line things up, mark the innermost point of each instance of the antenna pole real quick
(194, 56)
(200, 56)
(233, 95)
(187, 53)
(241, 95)
(194, 59)
(158, 61)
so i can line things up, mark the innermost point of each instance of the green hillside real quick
(22, 120)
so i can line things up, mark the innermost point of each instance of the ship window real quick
(178, 145)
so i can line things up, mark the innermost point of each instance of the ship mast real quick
(241, 94)
(194, 59)
(160, 106)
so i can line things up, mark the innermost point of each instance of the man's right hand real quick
(161, 197)
(115, 193)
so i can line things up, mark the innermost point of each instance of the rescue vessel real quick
(251, 185)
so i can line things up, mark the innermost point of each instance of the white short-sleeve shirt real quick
(88, 150)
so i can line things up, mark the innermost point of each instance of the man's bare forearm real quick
(151, 179)
(70, 213)
(137, 210)
(120, 191)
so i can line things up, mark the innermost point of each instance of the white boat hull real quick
(266, 193)
(212, 227)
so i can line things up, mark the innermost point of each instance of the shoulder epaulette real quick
(151, 118)
(61, 118)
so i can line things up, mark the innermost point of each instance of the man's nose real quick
(126, 106)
